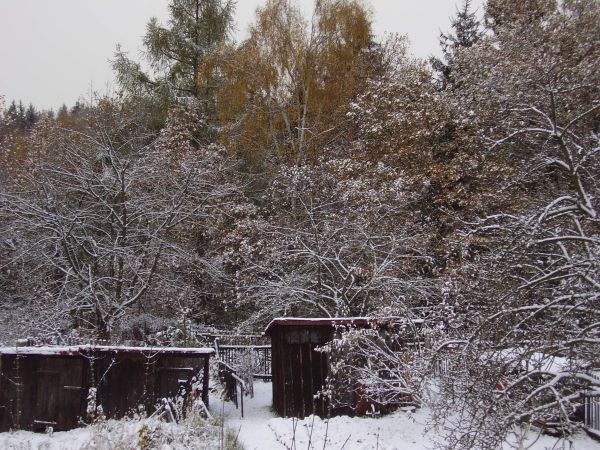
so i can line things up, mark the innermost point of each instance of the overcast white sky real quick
(54, 51)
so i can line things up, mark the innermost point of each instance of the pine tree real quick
(466, 31)
(31, 117)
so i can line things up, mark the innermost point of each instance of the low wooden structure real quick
(299, 371)
(63, 387)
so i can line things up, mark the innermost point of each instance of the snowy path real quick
(399, 431)
(253, 431)
(260, 429)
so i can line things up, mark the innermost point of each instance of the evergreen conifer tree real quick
(63, 113)
(12, 110)
(31, 117)
(179, 55)
(466, 31)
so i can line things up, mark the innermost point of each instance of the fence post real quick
(591, 408)
(242, 399)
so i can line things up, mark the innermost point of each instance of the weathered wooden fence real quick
(246, 353)
(232, 384)
(592, 412)
(239, 358)
(232, 339)
(256, 356)
(441, 366)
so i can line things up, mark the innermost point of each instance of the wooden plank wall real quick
(277, 373)
(39, 391)
(299, 371)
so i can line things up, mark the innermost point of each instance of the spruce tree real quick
(12, 110)
(31, 117)
(466, 31)
(16, 114)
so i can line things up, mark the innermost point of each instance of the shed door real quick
(45, 411)
(59, 393)
(174, 381)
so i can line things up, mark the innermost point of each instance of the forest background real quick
(314, 170)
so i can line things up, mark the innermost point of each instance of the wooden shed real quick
(63, 387)
(299, 371)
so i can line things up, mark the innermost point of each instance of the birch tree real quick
(285, 84)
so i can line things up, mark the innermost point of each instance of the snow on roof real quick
(326, 321)
(83, 349)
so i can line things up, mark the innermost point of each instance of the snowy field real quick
(259, 430)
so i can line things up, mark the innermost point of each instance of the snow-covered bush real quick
(373, 369)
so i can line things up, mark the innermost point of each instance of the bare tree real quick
(527, 342)
(341, 250)
(100, 216)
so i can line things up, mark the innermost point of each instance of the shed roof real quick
(327, 321)
(86, 349)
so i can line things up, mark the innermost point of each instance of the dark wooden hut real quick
(299, 371)
(58, 387)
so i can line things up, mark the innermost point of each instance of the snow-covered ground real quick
(119, 434)
(259, 430)
(252, 430)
